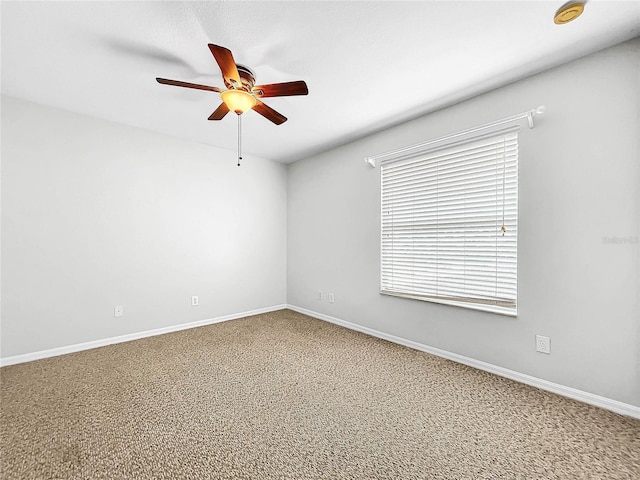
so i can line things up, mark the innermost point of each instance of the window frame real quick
(426, 149)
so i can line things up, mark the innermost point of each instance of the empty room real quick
(320, 240)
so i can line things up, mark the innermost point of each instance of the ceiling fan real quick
(241, 93)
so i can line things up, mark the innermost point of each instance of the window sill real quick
(506, 311)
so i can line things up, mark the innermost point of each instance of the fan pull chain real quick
(239, 139)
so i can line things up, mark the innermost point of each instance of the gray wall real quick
(578, 184)
(96, 214)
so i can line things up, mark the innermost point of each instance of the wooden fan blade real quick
(187, 84)
(220, 112)
(281, 89)
(227, 64)
(269, 113)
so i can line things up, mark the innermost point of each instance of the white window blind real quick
(443, 213)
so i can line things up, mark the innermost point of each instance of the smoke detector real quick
(568, 12)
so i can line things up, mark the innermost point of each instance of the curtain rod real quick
(528, 115)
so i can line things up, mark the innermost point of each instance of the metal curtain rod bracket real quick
(529, 115)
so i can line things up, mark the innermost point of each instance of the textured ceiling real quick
(368, 65)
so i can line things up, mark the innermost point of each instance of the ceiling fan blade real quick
(227, 64)
(269, 113)
(187, 84)
(220, 112)
(281, 89)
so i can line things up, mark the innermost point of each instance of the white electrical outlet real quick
(543, 344)
(332, 298)
(118, 311)
(319, 295)
(194, 301)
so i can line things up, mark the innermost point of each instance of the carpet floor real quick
(286, 396)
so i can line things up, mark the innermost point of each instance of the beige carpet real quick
(285, 396)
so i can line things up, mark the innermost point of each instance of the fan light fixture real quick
(238, 101)
(568, 12)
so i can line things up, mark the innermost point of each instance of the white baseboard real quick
(586, 397)
(54, 352)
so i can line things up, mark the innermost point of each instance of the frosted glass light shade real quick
(238, 101)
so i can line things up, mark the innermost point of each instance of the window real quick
(450, 222)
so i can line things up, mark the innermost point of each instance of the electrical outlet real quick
(118, 311)
(543, 344)
(194, 301)
(332, 298)
(319, 295)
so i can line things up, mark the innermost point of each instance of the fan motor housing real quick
(247, 77)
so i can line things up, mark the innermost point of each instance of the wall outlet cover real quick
(543, 344)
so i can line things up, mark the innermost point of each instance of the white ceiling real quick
(368, 65)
